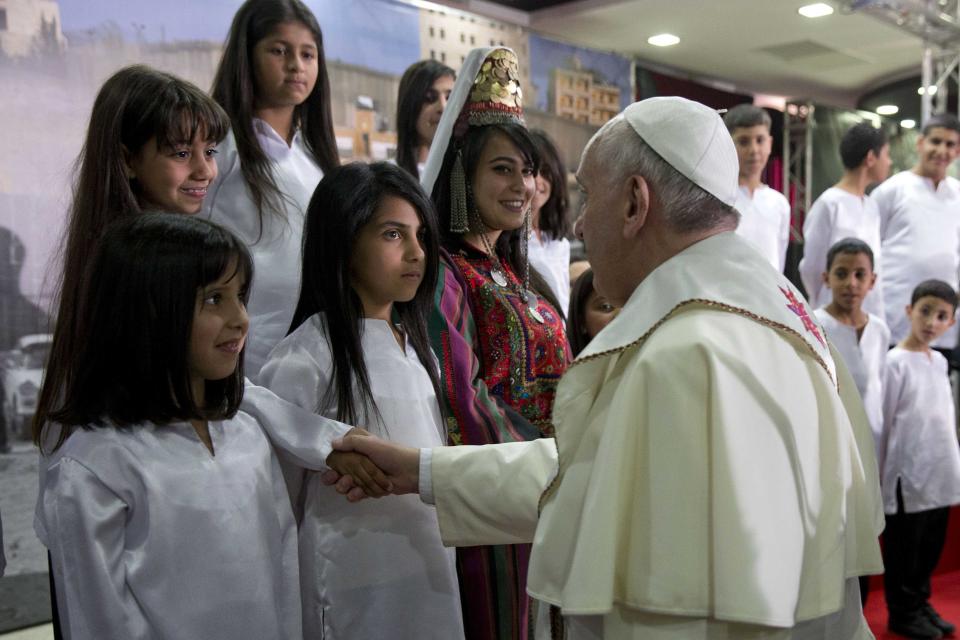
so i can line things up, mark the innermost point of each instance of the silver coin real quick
(535, 315)
(498, 277)
(532, 301)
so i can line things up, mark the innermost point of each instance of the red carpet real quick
(945, 586)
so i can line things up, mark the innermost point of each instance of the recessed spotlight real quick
(908, 123)
(663, 40)
(816, 10)
(887, 109)
(932, 90)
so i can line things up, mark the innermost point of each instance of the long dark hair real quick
(510, 244)
(577, 320)
(135, 105)
(345, 201)
(554, 221)
(134, 321)
(414, 85)
(234, 88)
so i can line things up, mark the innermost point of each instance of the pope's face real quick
(597, 227)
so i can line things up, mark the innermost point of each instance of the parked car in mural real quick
(22, 371)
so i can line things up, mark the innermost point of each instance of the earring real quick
(458, 197)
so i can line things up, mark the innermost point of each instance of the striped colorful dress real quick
(499, 373)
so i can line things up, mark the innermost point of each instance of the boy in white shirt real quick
(920, 224)
(919, 462)
(845, 211)
(861, 337)
(764, 213)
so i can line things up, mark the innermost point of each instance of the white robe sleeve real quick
(892, 389)
(490, 494)
(817, 230)
(885, 196)
(784, 236)
(300, 436)
(86, 527)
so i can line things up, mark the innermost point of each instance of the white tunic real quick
(551, 259)
(839, 214)
(920, 235)
(153, 537)
(765, 222)
(920, 437)
(865, 359)
(716, 472)
(277, 253)
(377, 565)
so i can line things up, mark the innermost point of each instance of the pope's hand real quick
(364, 474)
(400, 464)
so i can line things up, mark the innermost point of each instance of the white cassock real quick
(839, 214)
(920, 440)
(551, 259)
(866, 359)
(276, 249)
(712, 482)
(765, 222)
(98, 572)
(377, 567)
(920, 234)
(153, 537)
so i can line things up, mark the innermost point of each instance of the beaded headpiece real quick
(487, 92)
(496, 96)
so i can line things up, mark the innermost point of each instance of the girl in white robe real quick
(358, 352)
(272, 81)
(163, 506)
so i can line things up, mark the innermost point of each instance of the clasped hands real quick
(365, 466)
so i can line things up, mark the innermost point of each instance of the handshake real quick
(365, 466)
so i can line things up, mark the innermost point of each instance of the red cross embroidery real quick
(797, 307)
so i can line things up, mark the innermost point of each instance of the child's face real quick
(598, 314)
(220, 326)
(285, 66)
(388, 259)
(880, 168)
(937, 150)
(753, 149)
(544, 189)
(503, 184)
(930, 317)
(433, 105)
(850, 279)
(174, 179)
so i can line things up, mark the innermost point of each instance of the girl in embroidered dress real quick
(273, 83)
(163, 506)
(495, 323)
(358, 351)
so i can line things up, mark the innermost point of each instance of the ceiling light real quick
(817, 10)
(887, 109)
(663, 40)
(908, 124)
(932, 90)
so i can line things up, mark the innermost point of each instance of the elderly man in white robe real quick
(713, 475)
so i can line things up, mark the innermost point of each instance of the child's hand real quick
(357, 471)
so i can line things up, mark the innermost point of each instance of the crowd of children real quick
(324, 284)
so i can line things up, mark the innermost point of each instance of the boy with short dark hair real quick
(846, 211)
(920, 223)
(919, 462)
(764, 212)
(861, 337)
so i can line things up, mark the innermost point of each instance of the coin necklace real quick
(497, 274)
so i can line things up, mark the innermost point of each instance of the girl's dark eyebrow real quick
(502, 159)
(394, 223)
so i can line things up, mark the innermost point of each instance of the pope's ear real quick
(638, 206)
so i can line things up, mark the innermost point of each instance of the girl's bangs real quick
(189, 117)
